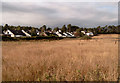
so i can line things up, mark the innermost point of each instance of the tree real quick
(6, 26)
(95, 31)
(90, 30)
(33, 31)
(56, 29)
(85, 29)
(98, 29)
(109, 29)
(49, 29)
(18, 28)
(43, 28)
(78, 33)
(74, 28)
(113, 29)
(64, 29)
(118, 29)
(69, 27)
(1, 27)
(102, 30)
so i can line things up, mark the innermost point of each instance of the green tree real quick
(109, 29)
(74, 28)
(78, 33)
(43, 28)
(18, 28)
(85, 29)
(6, 26)
(33, 31)
(64, 29)
(118, 29)
(95, 31)
(69, 27)
(56, 29)
(49, 29)
(98, 29)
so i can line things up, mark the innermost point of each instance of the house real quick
(72, 35)
(38, 32)
(84, 32)
(14, 33)
(64, 34)
(57, 33)
(43, 34)
(60, 34)
(67, 34)
(89, 34)
(48, 33)
(26, 33)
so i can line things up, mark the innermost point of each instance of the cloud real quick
(55, 14)
(60, 0)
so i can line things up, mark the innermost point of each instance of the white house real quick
(38, 32)
(90, 34)
(70, 34)
(83, 32)
(67, 35)
(14, 33)
(87, 33)
(60, 34)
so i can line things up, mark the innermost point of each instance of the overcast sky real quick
(56, 14)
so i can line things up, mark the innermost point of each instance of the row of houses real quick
(26, 33)
(16, 33)
(87, 33)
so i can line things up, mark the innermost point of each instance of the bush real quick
(78, 33)
(6, 38)
(85, 37)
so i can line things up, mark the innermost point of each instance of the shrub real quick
(86, 37)
(78, 33)
(6, 38)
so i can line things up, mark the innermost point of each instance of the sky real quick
(56, 14)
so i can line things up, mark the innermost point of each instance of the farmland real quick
(61, 60)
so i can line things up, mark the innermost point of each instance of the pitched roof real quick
(17, 32)
(27, 31)
(47, 33)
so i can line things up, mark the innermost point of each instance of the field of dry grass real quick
(61, 60)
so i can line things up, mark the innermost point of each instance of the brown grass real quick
(70, 60)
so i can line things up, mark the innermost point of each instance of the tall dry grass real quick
(70, 60)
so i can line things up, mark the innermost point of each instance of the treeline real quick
(111, 29)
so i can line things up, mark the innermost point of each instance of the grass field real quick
(61, 60)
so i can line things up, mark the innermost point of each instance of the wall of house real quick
(58, 34)
(18, 36)
(8, 32)
(89, 34)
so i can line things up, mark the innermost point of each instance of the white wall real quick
(8, 32)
